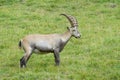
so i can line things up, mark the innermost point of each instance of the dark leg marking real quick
(57, 58)
(22, 62)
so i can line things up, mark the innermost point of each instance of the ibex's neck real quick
(66, 36)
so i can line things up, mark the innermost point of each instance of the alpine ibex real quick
(53, 43)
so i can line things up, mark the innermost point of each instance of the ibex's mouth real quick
(78, 36)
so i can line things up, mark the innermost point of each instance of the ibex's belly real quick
(36, 51)
(43, 47)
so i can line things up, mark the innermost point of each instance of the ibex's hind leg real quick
(22, 62)
(25, 58)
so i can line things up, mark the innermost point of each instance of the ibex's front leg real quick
(57, 57)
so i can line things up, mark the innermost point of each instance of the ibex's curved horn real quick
(72, 20)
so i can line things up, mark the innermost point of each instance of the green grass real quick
(95, 56)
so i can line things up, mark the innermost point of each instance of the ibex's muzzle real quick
(78, 36)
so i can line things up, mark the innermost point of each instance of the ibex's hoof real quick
(22, 63)
(57, 64)
(23, 66)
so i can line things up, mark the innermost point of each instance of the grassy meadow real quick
(95, 56)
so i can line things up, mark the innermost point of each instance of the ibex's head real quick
(74, 26)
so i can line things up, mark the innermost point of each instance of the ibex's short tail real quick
(20, 44)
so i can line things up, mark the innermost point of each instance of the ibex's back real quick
(48, 43)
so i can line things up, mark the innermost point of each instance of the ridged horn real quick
(72, 20)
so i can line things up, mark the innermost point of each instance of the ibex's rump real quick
(48, 43)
